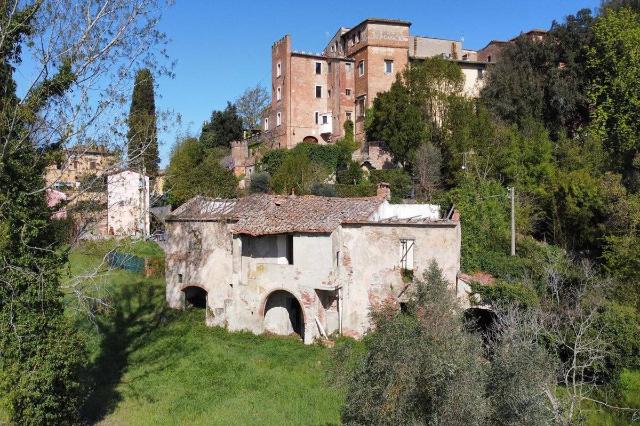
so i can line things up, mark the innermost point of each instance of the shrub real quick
(323, 189)
(507, 294)
(298, 173)
(260, 183)
(351, 175)
(362, 190)
(419, 367)
(272, 160)
(399, 182)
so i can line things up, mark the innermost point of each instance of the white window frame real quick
(266, 123)
(325, 119)
(388, 62)
(278, 93)
(407, 253)
(361, 68)
(278, 69)
(278, 118)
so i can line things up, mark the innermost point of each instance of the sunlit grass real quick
(152, 365)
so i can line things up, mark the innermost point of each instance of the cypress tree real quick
(142, 135)
(41, 354)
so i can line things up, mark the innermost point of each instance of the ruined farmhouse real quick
(310, 265)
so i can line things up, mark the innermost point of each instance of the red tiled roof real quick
(263, 214)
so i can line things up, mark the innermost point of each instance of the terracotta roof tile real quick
(274, 214)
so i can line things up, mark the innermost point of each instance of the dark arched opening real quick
(195, 297)
(480, 320)
(283, 314)
(310, 139)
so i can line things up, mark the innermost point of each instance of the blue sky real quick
(222, 47)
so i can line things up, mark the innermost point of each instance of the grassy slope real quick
(157, 366)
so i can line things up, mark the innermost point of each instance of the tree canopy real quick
(224, 127)
(142, 135)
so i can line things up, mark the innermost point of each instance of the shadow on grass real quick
(138, 309)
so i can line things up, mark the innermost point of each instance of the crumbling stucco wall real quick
(360, 262)
(199, 254)
(371, 262)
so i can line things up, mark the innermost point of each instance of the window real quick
(406, 254)
(278, 94)
(360, 106)
(338, 259)
(347, 67)
(388, 66)
(318, 68)
(489, 58)
(318, 91)
(480, 73)
(329, 93)
(349, 115)
(325, 119)
(278, 69)
(347, 92)
(278, 119)
(361, 68)
(179, 278)
(266, 123)
(290, 249)
(317, 117)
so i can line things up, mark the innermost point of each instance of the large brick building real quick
(313, 94)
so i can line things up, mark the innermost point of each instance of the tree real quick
(544, 80)
(522, 372)
(223, 128)
(427, 170)
(250, 106)
(419, 367)
(260, 183)
(194, 171)
(298, 174)
(615, 90)
(397, 120)
(142, 135)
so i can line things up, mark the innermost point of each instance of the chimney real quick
(384, 191)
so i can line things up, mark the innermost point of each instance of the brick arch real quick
(310, 139)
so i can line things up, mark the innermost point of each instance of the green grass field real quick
(152, 365)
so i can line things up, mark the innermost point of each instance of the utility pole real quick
(512, 194)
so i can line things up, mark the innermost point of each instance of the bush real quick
(399, 182)
(419, 367)
(620, 326)
(272, 160)
(323, 189)
(299, 174)
(351, 175)
(507, 294)
(362, 190)
(260, 183)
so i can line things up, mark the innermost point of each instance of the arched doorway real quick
(195, 297)
(310, 139)
(283, 314)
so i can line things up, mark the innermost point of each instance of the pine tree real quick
(142, 135)
(41, 355)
